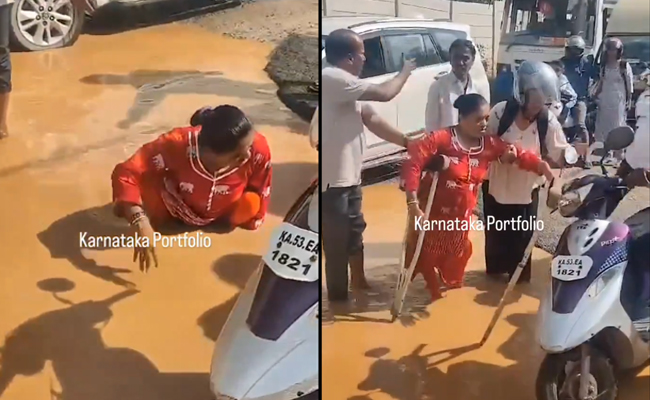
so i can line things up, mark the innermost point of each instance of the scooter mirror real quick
(571, 155)
(619, 138)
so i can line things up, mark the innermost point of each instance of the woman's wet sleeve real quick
(260, 183)
(419, 152)
(127, 176)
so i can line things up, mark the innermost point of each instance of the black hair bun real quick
(460, 102)
(469, 103)
(200, 115)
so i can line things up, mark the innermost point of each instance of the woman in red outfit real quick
(468, 152)
(216, 171)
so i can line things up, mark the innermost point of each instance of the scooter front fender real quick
(247, 367)
(558, 333)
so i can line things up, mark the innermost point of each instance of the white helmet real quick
(539, 76)
(576, 41)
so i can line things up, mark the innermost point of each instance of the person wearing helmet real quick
(510, 194)
(579, 70)
(613, 91)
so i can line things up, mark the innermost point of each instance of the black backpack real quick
(508, 118)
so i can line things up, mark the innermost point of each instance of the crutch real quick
(514, 279)
(406, 274)
(510, 288)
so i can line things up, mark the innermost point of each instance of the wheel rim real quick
(45, 22)
(570, 387)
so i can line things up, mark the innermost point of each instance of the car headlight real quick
(599, 284)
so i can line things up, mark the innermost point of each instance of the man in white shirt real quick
(5, 64)
(440, 111)
(342, 146)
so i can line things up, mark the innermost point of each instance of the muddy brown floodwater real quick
(428, 355)
(74, 331)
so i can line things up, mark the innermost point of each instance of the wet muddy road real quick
(74, 330)
(428, 355)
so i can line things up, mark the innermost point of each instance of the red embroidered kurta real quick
(166, 177)
(448, 251)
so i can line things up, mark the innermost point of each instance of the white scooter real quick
(269, 348)
(591, 320)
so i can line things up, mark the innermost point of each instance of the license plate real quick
(571, 268)
(294, 253)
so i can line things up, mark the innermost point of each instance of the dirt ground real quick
(430, 354)
(267, 21)
(292, 26)
(72, 328)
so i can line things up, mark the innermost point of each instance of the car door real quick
(414, 44)
(375, 72)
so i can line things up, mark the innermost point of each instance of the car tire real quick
(22, 42)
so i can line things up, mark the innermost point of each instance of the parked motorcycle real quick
(591, 320)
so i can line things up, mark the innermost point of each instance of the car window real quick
(375, 64)
(433, 57)
(410, 46)
(444, 38)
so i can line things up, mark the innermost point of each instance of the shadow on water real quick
(154, 86)
(62, 237)
(69, 340)
(120, 16)
(491, 289)
(418, 375)
(234, 269)
(62, 240)
(421, 375)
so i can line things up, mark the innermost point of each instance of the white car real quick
(48, 24)
(386, 42)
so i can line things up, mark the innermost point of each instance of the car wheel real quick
(45, 24)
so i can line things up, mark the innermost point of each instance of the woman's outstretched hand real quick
(509, 156)
(145, 256)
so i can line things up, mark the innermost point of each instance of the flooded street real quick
(430, 353)
(75, 327)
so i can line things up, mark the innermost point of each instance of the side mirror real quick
(619, 138)
(571, 155)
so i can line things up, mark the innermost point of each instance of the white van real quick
(386, 41)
